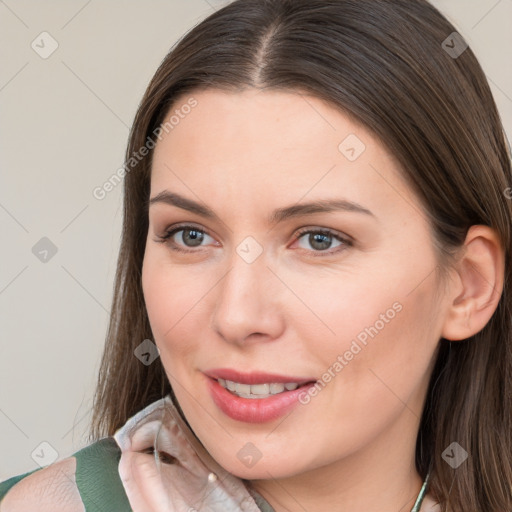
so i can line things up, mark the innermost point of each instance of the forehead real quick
(263, 143)
(254, 116)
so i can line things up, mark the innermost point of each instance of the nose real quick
(248, 308)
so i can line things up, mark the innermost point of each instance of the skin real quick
(47, 490)
(295, 308)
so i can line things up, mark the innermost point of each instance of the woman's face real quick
(256, 288)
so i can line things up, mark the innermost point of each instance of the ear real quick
(476, 291)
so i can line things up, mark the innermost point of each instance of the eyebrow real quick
(278, 215)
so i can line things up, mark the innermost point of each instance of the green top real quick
(97, 477)
(97, 466)
(98, 480)
(101, 488)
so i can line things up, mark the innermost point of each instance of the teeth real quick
(260, 389)
(276, 388)
(242, 388)
(257, 390)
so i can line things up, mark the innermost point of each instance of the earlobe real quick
(480, 276)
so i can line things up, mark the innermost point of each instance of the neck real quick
(381, 477)
(390, 494)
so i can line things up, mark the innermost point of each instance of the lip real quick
(254, 410)
(254, 377)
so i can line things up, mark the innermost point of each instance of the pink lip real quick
(254, 377)
(254, 410)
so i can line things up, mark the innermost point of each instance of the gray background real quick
(64, 125)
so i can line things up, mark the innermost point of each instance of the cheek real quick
(380, 378)
(157, 298)
(380, 323)
(343, 309)
(171, 299)
(389, 358)
(162, 293)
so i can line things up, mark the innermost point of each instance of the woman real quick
(313, 297)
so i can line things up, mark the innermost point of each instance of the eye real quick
(322, 239)
(190, 236)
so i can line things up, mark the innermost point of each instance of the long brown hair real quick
(386, 63)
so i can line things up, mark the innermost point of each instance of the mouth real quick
(255, 397)
(258, 391)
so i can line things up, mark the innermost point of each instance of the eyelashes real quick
(316, 236)
(167, 238)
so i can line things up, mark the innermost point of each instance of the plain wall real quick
(64, 125)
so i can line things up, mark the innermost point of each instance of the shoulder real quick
(89, 477)
(49, 489)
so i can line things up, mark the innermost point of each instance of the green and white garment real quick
(105, 483)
